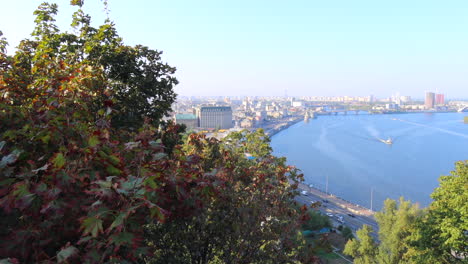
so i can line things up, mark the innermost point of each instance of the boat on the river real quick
(388, 141)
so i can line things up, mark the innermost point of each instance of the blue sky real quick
(264, 47)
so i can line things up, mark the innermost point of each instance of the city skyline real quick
(307, 47)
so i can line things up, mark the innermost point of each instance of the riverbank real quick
(340, 211)
(273, 129)
(355, 208)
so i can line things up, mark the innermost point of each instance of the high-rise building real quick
(429, 101)
(215, 117)
(439, 99)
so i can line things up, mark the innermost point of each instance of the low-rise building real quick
(190, 120)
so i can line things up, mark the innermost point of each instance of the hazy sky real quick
(310, 47)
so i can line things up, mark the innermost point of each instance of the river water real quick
(346, 151)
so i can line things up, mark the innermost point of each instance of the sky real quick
(298, 48)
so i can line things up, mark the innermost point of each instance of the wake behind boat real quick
(388, 141)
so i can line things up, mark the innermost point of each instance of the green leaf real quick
(77, 3)
(21, 190)
(118, 220)
(122, 238)
(150, 182)
(51, 100)
(84, 240)
(113, 170)
(45, 139)
(59, 160)
(159, 156)
(66, 253)
(93, 141)
(7, 181)
(114, 160)
(104, 184)
(2, 144)
(156, 211)
(92, 225)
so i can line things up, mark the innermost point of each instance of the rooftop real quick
(185, 116)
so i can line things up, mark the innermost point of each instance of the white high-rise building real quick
(215, 117)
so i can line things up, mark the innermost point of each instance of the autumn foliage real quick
(86, 177)
(71, 185)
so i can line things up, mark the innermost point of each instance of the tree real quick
(363, 249)
(139, 85)
(441, 235)
(395, 226)
(256, 143)
(316, 221)
(436, 234)
(63, 165)
(347, 233)
(251, 218)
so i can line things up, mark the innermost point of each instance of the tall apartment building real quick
(439, 99)
(429, 101)
(213, 117)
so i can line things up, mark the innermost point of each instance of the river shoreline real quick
(283, 125)
(353, 207)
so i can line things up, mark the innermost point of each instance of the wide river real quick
(346, 151)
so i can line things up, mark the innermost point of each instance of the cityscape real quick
(223, 114)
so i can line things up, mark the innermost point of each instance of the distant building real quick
(215, 117)
(429, 100)
(260, 116)
(439, 99)
(190, 120)
(405, 99)
(297, 104)
(247, 123)
(391, 106)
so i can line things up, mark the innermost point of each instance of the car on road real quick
(329, 214)
(304, 193)
(351, 215)
(340, 219)
(325, 200)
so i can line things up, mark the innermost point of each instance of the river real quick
(345, 151)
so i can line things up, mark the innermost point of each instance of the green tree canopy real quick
(363, 248)
(437, 234)
(139, 85)
(442, 234)
(395, 225)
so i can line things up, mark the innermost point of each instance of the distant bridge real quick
(336, 111)
(463, 108)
